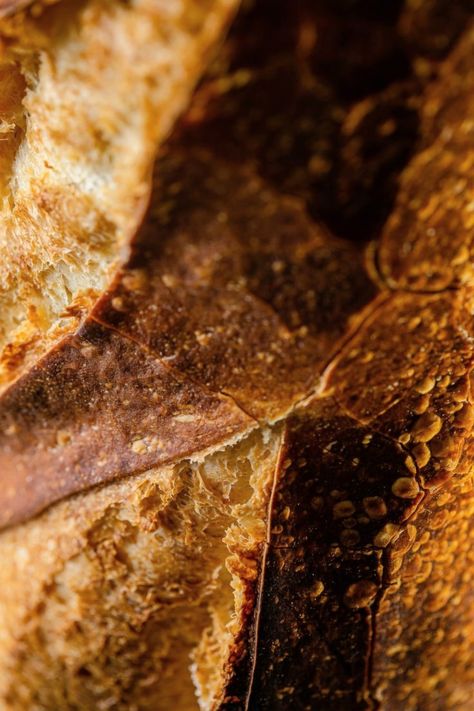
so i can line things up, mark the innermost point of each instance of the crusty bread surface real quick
(88, 90)
(244, 481)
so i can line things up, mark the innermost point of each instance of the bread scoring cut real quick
(299, 533)
(88, 91)
(220, 328)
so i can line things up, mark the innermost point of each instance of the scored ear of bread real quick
(260, 559)
(87, 91)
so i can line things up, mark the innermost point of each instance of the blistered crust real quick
(238, 305)
(374, 483)
(428, 243)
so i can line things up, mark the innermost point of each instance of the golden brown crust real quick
(428, 243)
(353, 586)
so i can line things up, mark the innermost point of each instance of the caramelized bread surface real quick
(244, 481)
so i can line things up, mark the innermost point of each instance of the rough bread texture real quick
(88, 90)
(233, 332)
(438, 245)
(128, 580)
(290, 412)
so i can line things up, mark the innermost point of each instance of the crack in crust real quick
(238, 309)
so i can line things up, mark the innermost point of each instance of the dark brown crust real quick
(236, 303)
(365, 523)
(365, 592)
(344, 163)
(373, 54)
(208, 330)
(147, 415)
(223, 256)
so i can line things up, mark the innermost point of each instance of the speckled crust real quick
(250, 262)
(366, 581)
(428, 240)
(345, 528)
(201, 277)
(49, 420)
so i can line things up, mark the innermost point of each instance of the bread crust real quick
(176, 323)
(374, 499)
(372, 513)
(239, 319)
(437, 229)
(99, 86)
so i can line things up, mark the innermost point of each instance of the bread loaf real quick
(242, 478)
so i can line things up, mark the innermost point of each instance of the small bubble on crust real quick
(375, 506)
(406, 488)
(343, 509)
(426, 427)
(360, 594)
(317, 589)
(422, 454)
(386, 535)
(425, 386)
